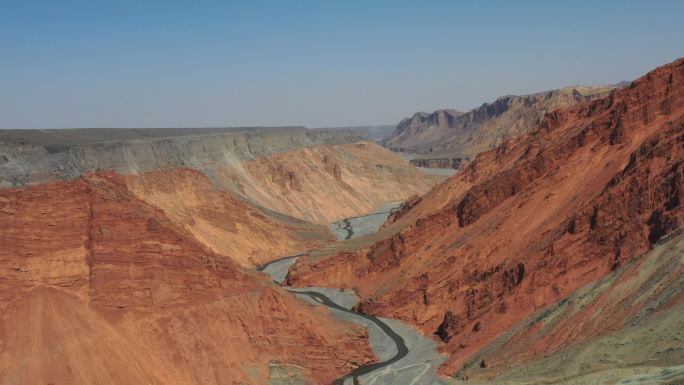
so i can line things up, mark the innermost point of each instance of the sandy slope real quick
(223, 221)
(325, 183)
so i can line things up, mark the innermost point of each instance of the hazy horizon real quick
(223, 64)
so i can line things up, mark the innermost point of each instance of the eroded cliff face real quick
(584, 194)
(37, 156)
(450, 134)
(315, 175)
(101, 287)
(627, 324)
(326, 183)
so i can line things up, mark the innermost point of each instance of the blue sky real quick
(316, 63)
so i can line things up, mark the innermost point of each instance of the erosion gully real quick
(405, 356)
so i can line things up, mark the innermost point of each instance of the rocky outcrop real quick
(418, 123)
(406, 207)
(584, 194)
(331, 167)
(449, 134)
(449, 325)
(447, 162)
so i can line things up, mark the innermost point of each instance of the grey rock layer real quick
(36, 156)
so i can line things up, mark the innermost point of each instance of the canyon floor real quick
(405, 356)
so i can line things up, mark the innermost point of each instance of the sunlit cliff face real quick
(583, 195)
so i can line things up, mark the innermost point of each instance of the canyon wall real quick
(254, 195)
(125, 252)
(589, 191)
(294, 171)
(627, 325)
(36, 156)
(326, 183)
(101, 287)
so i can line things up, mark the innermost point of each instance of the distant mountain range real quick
(450, 134)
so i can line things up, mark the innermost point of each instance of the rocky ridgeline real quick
(35, 156)
(444, 136)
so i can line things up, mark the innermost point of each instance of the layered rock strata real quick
(587, 192)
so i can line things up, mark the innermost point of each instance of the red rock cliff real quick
(528, 223)
(101, 287)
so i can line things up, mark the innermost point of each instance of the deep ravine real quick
(404, 355)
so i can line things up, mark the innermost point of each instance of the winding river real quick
(405, 356)
(354, 227)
